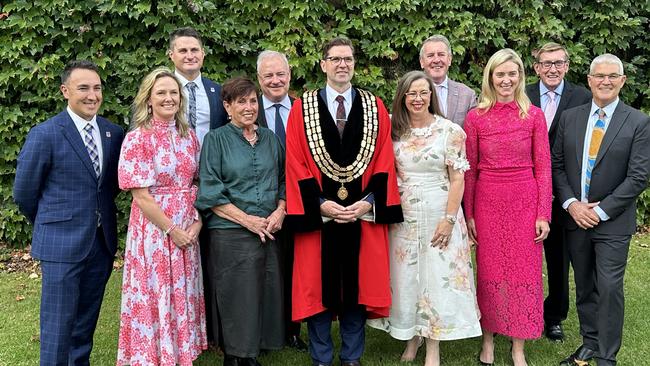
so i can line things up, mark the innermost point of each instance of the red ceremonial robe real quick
(306, 185)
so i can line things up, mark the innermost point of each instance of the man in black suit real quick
(554, 95)
(205, 112)
(274, 76)
(601, 162)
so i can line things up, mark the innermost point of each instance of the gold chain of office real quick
(323, 159)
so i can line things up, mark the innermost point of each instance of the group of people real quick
(253, 211)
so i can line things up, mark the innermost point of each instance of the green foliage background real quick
(129, 38)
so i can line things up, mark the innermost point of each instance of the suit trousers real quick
(351, 327)
(71, 297)
(599, 266)
(556, 304)
(285, 242)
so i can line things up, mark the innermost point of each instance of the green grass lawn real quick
(19, 304)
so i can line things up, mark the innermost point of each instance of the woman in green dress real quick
(242, 197)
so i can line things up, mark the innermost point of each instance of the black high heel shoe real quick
(481, 363)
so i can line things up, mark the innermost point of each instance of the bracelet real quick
(170, 229)
(450, 218)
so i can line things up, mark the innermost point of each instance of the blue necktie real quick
(191, 87)
(279, 125)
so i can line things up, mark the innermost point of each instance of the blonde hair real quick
(488, 96)
(141, 112)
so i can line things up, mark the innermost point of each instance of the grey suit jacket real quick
(460, 99)
(620, 173)
(572, 96)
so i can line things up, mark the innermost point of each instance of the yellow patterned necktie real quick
(594, 145)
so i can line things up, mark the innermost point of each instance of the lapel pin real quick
(212, 90)
(108, 133)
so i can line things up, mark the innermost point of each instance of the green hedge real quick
(129, 38)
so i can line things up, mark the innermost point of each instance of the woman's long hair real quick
(488, 96)
(400, 118)
(142, 113)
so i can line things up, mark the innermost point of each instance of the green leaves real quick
(129, 38)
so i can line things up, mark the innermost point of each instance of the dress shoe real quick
(351, 363)
(229, 360)
(554, 332)
(580, 357)
(249, 361)
(296, 343)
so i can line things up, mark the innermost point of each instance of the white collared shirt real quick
(269, 111)
(202, 105)
(332, 104)
(442, 93)
(81, 123)
(593, 117)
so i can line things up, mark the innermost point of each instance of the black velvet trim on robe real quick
(384, 214)
(311, 220)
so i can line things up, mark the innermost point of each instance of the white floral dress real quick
(162, 318)
(432, 289)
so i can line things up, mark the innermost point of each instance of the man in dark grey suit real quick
(601, 162)
(456, 99)
(553, 94)
(274, 76)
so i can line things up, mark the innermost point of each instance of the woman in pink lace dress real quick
(163, 313)
(508, 205)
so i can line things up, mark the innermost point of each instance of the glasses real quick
(558, 64)
(337, 60)
(279, 75)
(423, 94)
(601, 77)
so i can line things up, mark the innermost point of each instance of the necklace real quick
(253, 138)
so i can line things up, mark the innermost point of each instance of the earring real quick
(149, 110)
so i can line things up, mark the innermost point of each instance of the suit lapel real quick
(106, 146)
(533, 94)
(74, 138)
(564, 101)
(212, 99)
(452, 99)
(581, 128)
(615, 124)
(261, 113)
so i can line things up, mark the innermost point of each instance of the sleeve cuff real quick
(603, 216)
(566, 203)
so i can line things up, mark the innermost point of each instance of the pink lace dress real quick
(162, 318)
(507, 188)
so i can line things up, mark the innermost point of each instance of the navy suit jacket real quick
(57, 189)
(218, 115)
(620, 173)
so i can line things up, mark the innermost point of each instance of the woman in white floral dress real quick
(432, 281)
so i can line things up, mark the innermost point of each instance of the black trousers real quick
(285, 241)
(556, 304)
(599, 265)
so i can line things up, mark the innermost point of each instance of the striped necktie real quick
(89, 141)
(191, 88)
(594, 145)
(340, 115)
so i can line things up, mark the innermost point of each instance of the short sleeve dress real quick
(163, 312)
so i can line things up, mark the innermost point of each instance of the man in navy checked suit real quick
(66, 183)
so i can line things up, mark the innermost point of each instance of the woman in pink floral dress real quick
(432, 281)
(508, 205)
(163, 313)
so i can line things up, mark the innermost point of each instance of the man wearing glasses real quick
(553, 95)
(455, 99)
(601, 162)
(341, 196)
(274, 76)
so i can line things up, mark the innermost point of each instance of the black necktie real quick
(279, 125)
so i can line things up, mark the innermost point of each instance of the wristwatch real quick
(450, 219)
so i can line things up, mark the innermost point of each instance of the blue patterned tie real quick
(279, 125)
(191, 88)
(91, 147)
(594, 145)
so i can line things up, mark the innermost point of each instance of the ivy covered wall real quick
(129, 38)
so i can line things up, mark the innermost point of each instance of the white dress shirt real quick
(593, 117)
(332, 104)
(81, 123)
(202, 106)
(269, 111)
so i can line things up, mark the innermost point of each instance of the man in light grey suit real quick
(601, 163)
(456, 99)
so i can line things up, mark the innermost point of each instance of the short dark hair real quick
(338, 41)
(77, 64)
(236, 88)
(183, 32)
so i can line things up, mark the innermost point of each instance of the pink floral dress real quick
(163, 312)
(432, 289)
(506, 190)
